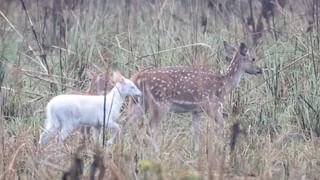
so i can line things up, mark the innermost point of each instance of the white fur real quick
(65, 112)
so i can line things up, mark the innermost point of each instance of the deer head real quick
(125, 86)
(242, 58)
(97, 82)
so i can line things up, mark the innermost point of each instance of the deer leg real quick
(135, 113)
(196, 128)
(154, 121)
(45, 134)
(214, 111)
(116, 131)
(43, 137)
(85, 133)
(219, 120)
(97, 133)
(65, 132)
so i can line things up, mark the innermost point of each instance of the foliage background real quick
(47, 46)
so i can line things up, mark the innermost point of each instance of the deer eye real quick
(253, 59)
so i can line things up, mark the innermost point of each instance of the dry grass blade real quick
(12, 162)
(2, 130)
(43, 55)
(20, 36)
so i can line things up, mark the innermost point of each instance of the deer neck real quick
(117, 98)
(233, 75)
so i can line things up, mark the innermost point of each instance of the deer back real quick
(179, 84)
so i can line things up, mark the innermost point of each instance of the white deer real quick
(98, 84)
(65, 112)
(190, 89)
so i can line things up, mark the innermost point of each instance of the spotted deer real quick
(183, 89)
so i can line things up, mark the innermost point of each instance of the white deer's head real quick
(125, 86)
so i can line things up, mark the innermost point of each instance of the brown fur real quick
(190, 89)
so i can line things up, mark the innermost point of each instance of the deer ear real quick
(243, 49)
(229, 51)
(117, 77)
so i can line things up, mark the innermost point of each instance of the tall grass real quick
(278, 112)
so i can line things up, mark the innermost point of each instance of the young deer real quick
(190, 89)
(65, 112)
(96, 87)
(98, 83)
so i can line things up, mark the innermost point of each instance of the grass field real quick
(47, 46)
